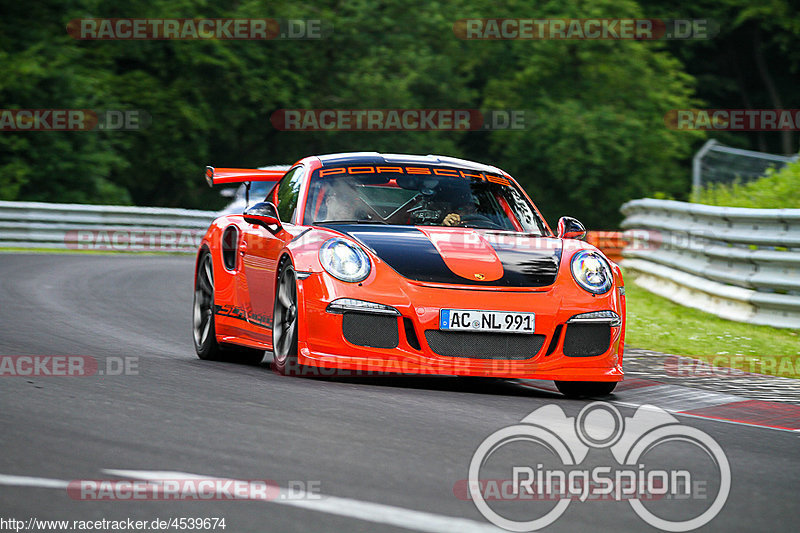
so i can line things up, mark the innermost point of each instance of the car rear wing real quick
(223, 176)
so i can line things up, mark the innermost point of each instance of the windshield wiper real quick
(351, 221)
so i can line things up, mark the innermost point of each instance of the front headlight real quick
(344, 260)
(592, 272)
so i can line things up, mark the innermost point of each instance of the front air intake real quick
(500, 346)
(372, 331)
(586, 340)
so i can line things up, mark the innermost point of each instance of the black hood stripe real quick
(409, 252)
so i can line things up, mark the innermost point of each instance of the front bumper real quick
(338, 340)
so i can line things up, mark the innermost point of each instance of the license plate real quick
(486, 321)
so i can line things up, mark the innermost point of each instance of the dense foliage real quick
(595, 134)
(776, 189)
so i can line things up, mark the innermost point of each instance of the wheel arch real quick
(212, 245)
(285, 257)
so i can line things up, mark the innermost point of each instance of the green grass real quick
(655, 323)
(779, 189)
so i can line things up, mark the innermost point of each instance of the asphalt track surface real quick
(399, 443)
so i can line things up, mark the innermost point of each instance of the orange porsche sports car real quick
(383, 263)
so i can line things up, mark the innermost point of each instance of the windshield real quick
(419, 196)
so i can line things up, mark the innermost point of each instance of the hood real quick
(462, 256)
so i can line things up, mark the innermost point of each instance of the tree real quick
(595, 135)
(598, 136)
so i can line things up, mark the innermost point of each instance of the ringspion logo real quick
(518, 471)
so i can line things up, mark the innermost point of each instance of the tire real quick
(203, 331)
(585, 389)
(284, 323)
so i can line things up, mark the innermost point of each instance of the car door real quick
(259, 250)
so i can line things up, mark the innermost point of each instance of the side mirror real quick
(570, 228)
(264, 214)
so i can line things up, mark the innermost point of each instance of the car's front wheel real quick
(284, 323)
(203, 333)
(585, 389)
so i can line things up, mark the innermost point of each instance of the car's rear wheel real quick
(284, 323)
(203, 332)
(585, 389)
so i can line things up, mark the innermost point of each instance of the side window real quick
(288, 193)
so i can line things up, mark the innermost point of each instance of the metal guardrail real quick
(741, 264)
(101, 227)
(115, 228)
